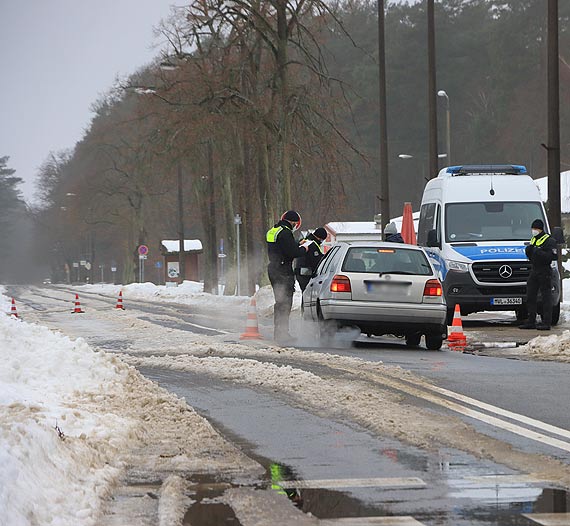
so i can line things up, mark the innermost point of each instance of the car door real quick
(313, 291)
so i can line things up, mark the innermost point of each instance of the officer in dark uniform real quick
(282, 250)
(306, 265)
(392, 235)
(541, 252)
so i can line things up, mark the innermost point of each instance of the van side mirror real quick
(432, 240)
(558, 235)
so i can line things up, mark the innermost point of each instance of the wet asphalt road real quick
(312, 447)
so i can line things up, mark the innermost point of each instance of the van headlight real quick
(458, 266)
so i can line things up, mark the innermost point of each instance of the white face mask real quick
(535, 232)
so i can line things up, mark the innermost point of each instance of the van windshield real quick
(492, 221)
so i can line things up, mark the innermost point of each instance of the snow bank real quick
(47, 380)
(189, 292)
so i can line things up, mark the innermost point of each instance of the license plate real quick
(506, 301)
(386, 288)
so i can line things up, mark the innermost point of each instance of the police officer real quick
(541, 252)
(282, 250)
(392, 235)
(306, 265)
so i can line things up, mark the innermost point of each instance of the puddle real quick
(206, 510)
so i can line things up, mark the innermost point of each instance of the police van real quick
(474, 225)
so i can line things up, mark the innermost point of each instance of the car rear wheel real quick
(434, 342)
(413, 340)
(449, 316)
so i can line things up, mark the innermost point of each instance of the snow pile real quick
(553, 347)
(187, 293)
(47, 380)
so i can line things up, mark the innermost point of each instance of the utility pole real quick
(384, 178)
(181, 235)
(212, 235)
(433, 164)
(553, 146)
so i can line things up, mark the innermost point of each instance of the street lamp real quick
(442, 93)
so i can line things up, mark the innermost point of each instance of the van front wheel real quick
(556, 314)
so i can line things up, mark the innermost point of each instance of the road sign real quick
(141, 256)
(143, 250)
(82, 262)
(75, 264)
(221, 256)
(158, 264)
(87, 265)
(113, 269)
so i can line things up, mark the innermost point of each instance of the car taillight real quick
(340, 284)
(433, 288)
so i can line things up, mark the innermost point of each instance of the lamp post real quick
(237, 222)
(442, 93)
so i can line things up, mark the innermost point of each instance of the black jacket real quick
(311, 259)
(541, 256)
(285, 249)
(395, 238)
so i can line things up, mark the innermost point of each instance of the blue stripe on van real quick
(492, 252)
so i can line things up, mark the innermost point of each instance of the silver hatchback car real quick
(381, 288)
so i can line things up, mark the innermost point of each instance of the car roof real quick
(376, 244)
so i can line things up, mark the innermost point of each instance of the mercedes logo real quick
(505, 271)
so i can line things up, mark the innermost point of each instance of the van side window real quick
(427, 222)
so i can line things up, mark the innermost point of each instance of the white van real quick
(474, 225)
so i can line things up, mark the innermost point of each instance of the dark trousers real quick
(283, 283)
(303, 281)
(539, 281)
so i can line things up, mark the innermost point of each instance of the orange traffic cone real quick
(408, 231)
(120, 301)
(251, 327)
(77, 309)
(456, 339)
(13, 311)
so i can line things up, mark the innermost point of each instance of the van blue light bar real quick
(508, 169)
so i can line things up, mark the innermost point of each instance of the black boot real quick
(529, 324)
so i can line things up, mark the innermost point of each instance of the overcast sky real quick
(57, 57)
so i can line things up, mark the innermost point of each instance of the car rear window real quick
(386, 260)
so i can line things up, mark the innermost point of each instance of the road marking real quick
(422, 391)
(503, 412)
(549, 519)
(401, 482)
(497, 422)
(371, 521)
(523, 478)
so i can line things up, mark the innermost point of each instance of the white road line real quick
(508, 426)
(549, 519)
(371, 521)
(422, 391)
(523, 478)
(401, 482)
(503, 412)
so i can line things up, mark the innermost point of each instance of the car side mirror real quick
(558, 235)
(432, 240)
